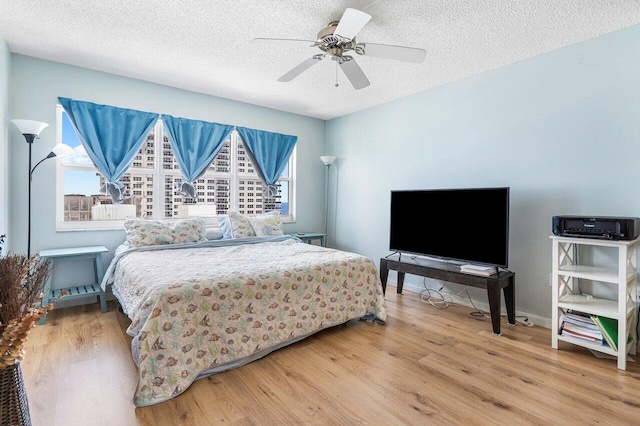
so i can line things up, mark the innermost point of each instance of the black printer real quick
(610, 228)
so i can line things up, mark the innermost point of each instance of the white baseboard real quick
(464, 301)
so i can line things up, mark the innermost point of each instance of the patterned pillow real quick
(143, 232)
(267, 224)
(240, 226)
(189, 231)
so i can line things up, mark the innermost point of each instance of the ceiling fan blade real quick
(282, 41)
(300, 68)
(354, 73)
(387, 51)
(351, 23)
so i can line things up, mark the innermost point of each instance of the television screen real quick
(470, 225)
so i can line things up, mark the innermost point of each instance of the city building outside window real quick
(229, 183)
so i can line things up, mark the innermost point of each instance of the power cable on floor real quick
(427, 296)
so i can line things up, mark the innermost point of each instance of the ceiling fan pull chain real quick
(336, 73)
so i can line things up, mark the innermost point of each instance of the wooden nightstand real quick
(93, 253)
(307, 237)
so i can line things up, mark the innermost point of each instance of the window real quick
(229, 183)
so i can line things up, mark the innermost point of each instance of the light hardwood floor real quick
(425, 366)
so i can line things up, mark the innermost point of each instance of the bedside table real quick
(307, 237)
(93, 253)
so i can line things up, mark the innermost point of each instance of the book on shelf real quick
(596, 334)
(582, 336)
(581, 326)
(580, 320)
(609, 329)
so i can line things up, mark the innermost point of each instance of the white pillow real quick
(224, 224)
(214, 234)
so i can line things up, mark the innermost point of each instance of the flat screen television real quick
(470, 225)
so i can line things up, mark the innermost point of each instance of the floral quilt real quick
(195, 307)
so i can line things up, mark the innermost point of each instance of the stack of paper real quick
(478, 270)
(581, 327)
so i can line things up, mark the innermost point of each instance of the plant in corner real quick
(22, 279)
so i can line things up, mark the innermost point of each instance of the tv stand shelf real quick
(450, 272)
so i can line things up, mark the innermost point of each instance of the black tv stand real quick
(444, 271)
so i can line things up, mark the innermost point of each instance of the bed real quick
(201, 308)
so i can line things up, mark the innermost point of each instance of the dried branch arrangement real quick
(21, 282)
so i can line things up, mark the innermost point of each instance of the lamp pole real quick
(328, 161)
(30, 138)
(326, 200)
(30, 129)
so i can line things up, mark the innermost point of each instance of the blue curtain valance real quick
(111, 136)
(195, 144)
(269, 153)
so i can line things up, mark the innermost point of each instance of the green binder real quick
(609, 329)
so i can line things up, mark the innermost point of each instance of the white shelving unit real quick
(566, 272)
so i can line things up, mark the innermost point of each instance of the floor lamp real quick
(328, 161)
(31, 129)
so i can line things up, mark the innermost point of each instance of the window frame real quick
(158, 174)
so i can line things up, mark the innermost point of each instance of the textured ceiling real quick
(203, 45)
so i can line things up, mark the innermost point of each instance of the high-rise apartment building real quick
(211, 190)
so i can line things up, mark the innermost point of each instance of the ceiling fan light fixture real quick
(338, 38)
(336, 52)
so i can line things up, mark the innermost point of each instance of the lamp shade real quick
(327, 159)
(29, 127)
(63, 150)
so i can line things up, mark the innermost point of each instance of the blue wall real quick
(5, 68)
(561, 129)
(36, 85)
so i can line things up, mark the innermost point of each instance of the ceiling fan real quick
(338, 38)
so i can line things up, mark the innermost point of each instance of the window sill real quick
(118, 225)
